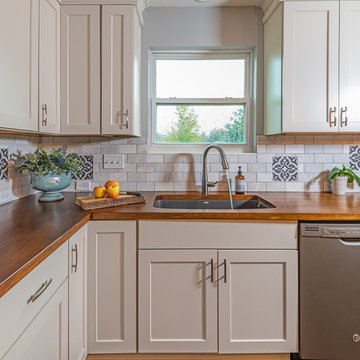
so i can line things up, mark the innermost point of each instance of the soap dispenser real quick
(240, 182)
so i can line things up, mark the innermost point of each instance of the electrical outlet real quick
(114, 161)
(83, 185)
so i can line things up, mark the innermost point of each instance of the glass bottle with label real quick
(240, 182)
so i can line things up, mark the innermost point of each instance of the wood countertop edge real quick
(321, 211)
(12, 280)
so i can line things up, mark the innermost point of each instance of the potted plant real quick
(50, 171)
(340, 178)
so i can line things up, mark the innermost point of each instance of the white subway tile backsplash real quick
(315, 154)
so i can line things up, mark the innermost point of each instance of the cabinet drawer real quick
(15, 311)
(217, 235)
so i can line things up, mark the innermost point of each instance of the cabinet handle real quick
(44, 115)
(343, 111)
(39, 291)
(331, 112)
(74, 250)
(212, 270)
(126, 114)
(225, 271)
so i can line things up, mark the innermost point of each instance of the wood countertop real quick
(30, 231)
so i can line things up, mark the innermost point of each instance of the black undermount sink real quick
(214, 202)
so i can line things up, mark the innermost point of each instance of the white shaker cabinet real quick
(349, 106)
(257, 301)
(49, 66)
(112, 287)
(78, 295)
(80, 69)
(310, 66)
(301, 67)
(177, 301)
(218, 287)
(121, 48)
(30, 65)
(47, 335)
(19, 64)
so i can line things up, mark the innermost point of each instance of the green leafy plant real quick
(41, 162)
(343, 172)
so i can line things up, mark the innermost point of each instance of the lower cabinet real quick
(257, 301)
(177, 301)
(240, 299)
(47, 335)
(78, 295)
(112, 287)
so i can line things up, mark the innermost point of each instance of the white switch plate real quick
(114, 161)
(83, 185)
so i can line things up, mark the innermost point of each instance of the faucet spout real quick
(224, 163)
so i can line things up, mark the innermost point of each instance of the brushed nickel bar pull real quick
(343, 111)
(225, 271)
(126, 114)
(38, 292)
(44, 115)
(331, 112)
(75, 250)
(212, 270)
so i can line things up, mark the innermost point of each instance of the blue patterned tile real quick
(4, 162)
(86, 171)
(285, 168)
(354, 157)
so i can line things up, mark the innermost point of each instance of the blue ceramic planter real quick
(50, 185)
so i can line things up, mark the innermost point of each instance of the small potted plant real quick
(50, 171)
(340, 178)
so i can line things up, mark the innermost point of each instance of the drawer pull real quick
(225, 271)
(38, 292)
(75, 250)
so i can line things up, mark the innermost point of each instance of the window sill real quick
(196, 148)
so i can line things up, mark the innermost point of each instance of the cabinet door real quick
(19, 64)
(112, 286)
(177, 301)
(349, 66)
(49, 66)
(80, 69)
(78, 295)
(258, 301)
(47, 335)
(311, 33)
(120, 70)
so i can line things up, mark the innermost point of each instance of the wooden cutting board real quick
(91, 202)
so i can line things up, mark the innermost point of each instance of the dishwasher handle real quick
(350, 241)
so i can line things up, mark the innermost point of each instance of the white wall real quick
(205, 27)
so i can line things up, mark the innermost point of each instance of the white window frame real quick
(194, 148)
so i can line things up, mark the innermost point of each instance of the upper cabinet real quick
(121, 48)
(30, 65)
(49, 67)
(307, 51)
(118, 80)
(80, 69)
(349, 104)
(18, 64)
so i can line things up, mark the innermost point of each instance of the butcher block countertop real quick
(30, 231)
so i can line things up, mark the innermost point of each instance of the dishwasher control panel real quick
(331, 230)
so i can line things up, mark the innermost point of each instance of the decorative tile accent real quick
(4, 161)
(86, 172)
(354, 157)
(285, 168)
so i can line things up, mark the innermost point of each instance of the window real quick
(200, 97)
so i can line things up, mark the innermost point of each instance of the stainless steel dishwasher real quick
(330, 291)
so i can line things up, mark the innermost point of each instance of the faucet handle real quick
(212, 183)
